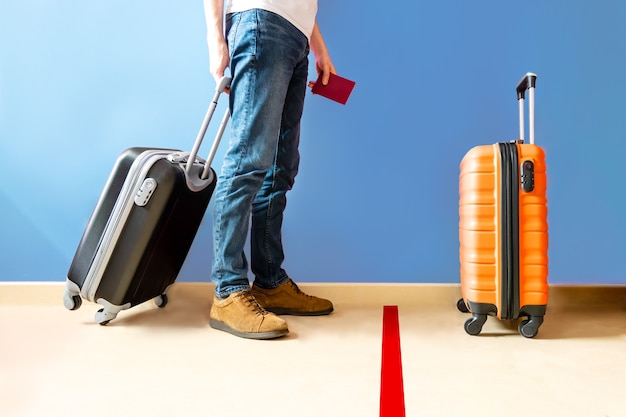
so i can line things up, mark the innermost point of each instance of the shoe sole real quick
(247, 335)
(288, 312)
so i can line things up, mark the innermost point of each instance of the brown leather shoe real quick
(289, 299)
(240, 314)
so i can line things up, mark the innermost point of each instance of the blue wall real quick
(376, 198)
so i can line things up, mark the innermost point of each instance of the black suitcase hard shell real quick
(142, 226)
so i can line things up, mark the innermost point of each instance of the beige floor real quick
(168, 362)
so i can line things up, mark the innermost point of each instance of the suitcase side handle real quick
(528, 82)
(222, 86)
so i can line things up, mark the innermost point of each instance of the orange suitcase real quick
(503, 230)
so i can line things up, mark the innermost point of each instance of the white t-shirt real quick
(300, 13)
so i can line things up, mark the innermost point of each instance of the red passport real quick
(337, 89)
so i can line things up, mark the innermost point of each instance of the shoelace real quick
(298, 290)
(249, 299)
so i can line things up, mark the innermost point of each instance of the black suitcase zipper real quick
(509, 255)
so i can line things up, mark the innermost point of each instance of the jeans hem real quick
(222, 295)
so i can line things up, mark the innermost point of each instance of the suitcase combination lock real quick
(528, 176)
(145, 191)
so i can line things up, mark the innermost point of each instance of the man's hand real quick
(219, 58)
(323, 63)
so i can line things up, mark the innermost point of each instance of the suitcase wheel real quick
(461, 306)
(161, 300)
(474, 325)
(72, 302)
(530, 327)
(104, 317)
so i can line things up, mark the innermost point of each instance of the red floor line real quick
(391, 384)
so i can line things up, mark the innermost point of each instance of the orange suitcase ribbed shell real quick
(483, 234)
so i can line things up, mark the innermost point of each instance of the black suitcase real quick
(143, 225)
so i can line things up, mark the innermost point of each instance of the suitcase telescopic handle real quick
(222, 85)
(528, 82)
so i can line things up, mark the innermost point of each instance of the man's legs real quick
(267, 209)
(265, 49)
(273, 288)
(269, 68)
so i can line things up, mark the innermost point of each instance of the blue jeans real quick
(269, 69)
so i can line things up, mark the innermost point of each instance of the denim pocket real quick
(242, 32)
